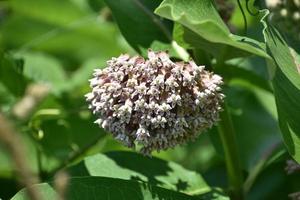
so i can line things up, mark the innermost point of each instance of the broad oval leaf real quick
(113, 189)
(201, 17)
(133, 166)
(286, 84)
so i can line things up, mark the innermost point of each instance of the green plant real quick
(50, 147)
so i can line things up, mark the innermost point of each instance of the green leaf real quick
(44, 68)
(76, 41)
(11, 74)
(178, 35)
(133, 166)
(113, 189)
(47, 10)
(255, 144)
(138, 24)
(286, 84)
(79, 77)
(273, 183)
(246, 69)
(207, 30)
(7, 99)
(75, 132)
(249, 76)
(96, 5)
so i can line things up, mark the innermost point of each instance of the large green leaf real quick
(113, 189)
(207, 28)
(138, 24)
(286, 84)
(133, 166)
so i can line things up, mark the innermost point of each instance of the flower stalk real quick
(229, 143)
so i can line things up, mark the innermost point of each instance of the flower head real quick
(156, 102)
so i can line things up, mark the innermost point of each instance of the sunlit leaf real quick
(133, 166)
(286, 84)
(113, 189)
(207, 28)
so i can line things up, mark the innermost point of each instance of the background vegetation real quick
(49, 49)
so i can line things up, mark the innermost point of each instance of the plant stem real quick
(228, 139)
(244, 16)
(39, 160)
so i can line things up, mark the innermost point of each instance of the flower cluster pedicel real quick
(155, 102)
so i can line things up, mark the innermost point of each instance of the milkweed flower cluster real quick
(155, 102)
(286, 14)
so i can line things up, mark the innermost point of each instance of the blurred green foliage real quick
(58, 43)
